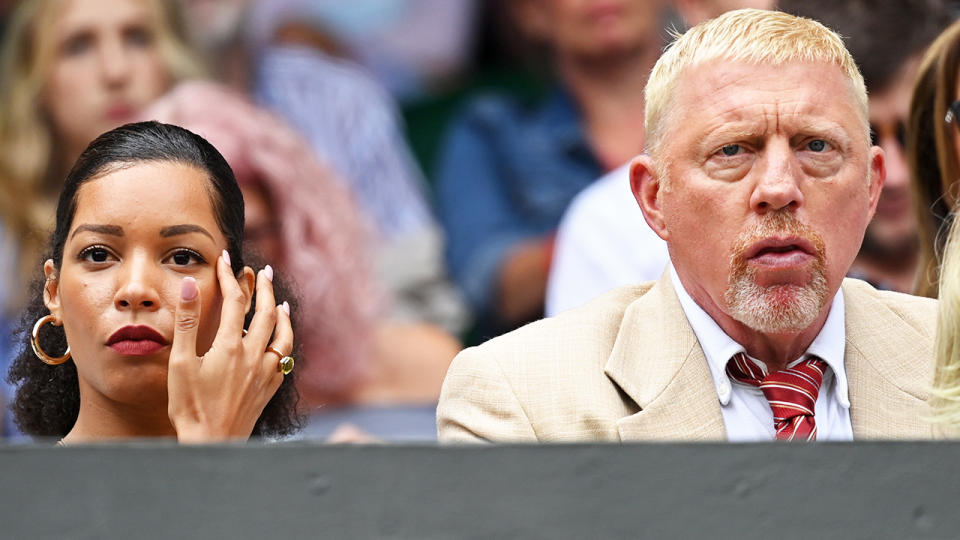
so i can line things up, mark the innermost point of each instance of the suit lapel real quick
(884, 360)
(657, 362)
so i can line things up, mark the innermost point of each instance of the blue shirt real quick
(505, 175)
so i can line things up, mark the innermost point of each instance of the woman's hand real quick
(220, 395)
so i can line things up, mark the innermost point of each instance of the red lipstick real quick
(136, 341)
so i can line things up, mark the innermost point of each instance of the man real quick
(601, 243)
(761, 178)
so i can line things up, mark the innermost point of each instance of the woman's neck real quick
(98, 421)
(609, 92)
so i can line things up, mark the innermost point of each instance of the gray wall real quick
(284, 491)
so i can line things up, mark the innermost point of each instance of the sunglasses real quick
(953, 113)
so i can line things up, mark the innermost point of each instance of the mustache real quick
(778, 223)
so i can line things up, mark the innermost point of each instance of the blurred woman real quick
(933, 147)
(71, 70)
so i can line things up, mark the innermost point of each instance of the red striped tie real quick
(792, 393)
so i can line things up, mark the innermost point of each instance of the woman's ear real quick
(51, 289)
(248, 284)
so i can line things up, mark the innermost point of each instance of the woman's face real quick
(106, 67)
(136, 234)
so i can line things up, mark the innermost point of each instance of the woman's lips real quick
(133, 347)
(136, 340)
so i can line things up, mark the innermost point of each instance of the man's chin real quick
(776, 309)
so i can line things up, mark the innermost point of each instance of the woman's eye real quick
(77, 44)
(184, 257)
(95, 254)
(731, 150)
(138, 37)
(817, 145)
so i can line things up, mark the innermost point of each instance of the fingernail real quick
(226, 257)
(286, 307)
(188, 289)
(268, 270)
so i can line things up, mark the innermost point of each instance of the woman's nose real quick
(114, 62)
(138, 285)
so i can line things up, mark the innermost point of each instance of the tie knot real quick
(791, 392)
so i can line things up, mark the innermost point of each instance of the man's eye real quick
(817, 145)
(731, 150)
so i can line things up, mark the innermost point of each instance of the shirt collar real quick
(718, 347)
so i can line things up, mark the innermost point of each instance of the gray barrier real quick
(300, 490)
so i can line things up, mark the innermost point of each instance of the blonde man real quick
(760, 176)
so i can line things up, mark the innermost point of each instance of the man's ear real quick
(51, 290)
(248, 284)
(878, 175)
(645, 185)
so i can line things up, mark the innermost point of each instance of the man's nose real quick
(778, 179)
(137, 286)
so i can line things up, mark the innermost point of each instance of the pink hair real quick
(325, 240)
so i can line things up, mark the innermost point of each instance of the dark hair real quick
(881, 36)
(48, 397)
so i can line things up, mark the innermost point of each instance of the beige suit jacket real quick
(627, 367)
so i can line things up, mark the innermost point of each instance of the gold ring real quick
(279, 354)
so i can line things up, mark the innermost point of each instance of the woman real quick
(300, 217)
(152, 303)
(70, 70)
(933, 147)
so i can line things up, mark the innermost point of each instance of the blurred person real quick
(508, 169)
(413, 48)
(357, 364)
(137, 327)
(355, 127)
(933, 147)
(586, 267)
(761, 177)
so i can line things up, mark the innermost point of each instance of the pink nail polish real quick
(286, 307)
(226, 257)
(188, 288)
(268, 271)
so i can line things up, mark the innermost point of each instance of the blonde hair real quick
(946, 402)
(28, 150)
(931, 155)
(747, 35)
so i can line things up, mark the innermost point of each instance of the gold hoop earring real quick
(35, 343)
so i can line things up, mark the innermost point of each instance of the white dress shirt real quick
(746, 413)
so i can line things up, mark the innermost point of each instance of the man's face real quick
(894, 227)
(767, 195)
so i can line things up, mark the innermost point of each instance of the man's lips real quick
(780, 251)
(136, 340)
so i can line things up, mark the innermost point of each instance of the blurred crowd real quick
(428, 173)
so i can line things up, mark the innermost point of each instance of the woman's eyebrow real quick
(112, 230)
(175, 230)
